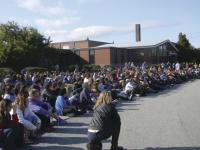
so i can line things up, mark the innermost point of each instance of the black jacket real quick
(105, 117)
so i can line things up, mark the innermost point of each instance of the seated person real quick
(94, 92)
(85, 99)
(43, 110)
(75, 98)
(48, 95)
(11, 132)
(131, 88)
(63, 106)
(25, 116)
(105, 123)
(8, 93)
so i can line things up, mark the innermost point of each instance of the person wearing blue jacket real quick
(63, 106)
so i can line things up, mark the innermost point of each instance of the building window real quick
(77, 52)
(153, 52)
(164, 47)
(66, 47)
(141, 54)
(92, 56)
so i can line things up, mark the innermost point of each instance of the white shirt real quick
(86, 80)
(177, 66)
(130, 86)
(25, 118)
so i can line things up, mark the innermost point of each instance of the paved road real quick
(169, 120)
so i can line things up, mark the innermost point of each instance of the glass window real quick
(153, 53)
(141, 54)
(91, 56)
(77, 52)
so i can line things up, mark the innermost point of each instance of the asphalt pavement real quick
(168, 120)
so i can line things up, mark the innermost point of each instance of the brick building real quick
(103, 53)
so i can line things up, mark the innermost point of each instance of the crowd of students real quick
(29, 101)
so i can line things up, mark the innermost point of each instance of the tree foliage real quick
(184, 42)
(187, 53)
(16, 43)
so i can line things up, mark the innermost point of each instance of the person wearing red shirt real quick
(11, 132)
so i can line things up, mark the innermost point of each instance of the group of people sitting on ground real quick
(30, 101)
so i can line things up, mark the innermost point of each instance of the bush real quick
(91, 68)
(34, 69)
(71, 68)
(6, 71)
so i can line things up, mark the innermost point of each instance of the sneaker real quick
(92, 146)
(61, 122)
(49, 129)
(117, 148)
(131, 98)
(137, 95)
(28, 141)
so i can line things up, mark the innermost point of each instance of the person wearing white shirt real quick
(25, 116)
(177, 66)
(130, 86)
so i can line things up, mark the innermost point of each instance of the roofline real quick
(153, 46)
(80, 41)
(109, 47)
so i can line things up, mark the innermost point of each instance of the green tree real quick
(184, 42)
(20, 44)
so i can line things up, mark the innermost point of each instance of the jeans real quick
(96, 138)
(13, 137)
(45, 121)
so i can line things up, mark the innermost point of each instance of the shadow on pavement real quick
(122, 110)
(76, 124)
(61, 140)
(170, 148)
(52, 148)
(72, 130)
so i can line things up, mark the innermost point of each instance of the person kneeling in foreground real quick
(105, 123)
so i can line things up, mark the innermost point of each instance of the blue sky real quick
(107, 20)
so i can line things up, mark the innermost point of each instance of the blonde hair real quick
(34, 93)
(22, 102)
(104, 98)
(22, 98)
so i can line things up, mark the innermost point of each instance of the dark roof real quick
(92, 42)
(153, 46)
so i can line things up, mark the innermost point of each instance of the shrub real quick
(34, 69)
(6, 71)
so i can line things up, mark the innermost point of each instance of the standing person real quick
(105, 123)
(11, 132)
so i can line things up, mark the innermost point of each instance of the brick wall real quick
(84, 55)
(102, 56)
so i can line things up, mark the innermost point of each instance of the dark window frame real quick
(91, 56)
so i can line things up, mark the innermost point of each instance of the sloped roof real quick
(153, 46)
(92, 43)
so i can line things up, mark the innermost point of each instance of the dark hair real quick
(48, 85)
(17, 87)
(8, 88)
(62, 91)
(4, 104)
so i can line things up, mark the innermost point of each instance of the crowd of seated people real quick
(29, 101)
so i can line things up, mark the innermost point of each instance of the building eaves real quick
(153, 46)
